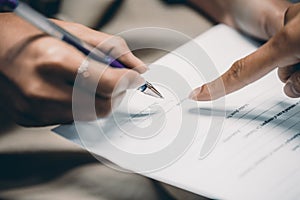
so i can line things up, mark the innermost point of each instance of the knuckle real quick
(236, 70)
(55, 55)
(109, 80)
(119, 45)
(133, 79)
(34, 92)
(108, 87)
(132, 75)
(104, 108)
(79, 29)
(129, 79)
(121, 41)
(31, 91)
(282, 39)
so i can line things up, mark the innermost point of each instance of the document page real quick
(243, 146)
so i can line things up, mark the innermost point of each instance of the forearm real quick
(218, 10)
(259, 18)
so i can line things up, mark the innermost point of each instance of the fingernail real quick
(142, 65)
(142, 81)
(146, 67)
(191, 95)
(195, 93)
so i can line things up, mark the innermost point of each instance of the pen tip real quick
(160, 96)
(150, 90)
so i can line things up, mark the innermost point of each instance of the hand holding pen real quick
(38, 72)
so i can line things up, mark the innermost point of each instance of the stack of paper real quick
(243, 146)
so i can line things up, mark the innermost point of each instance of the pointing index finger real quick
(248, 69)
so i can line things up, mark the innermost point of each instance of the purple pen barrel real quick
(9, 4)
(114, 62)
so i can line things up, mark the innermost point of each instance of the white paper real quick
(257, 154)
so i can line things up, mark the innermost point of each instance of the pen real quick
(49, 27)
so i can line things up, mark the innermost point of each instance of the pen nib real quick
(150, 90)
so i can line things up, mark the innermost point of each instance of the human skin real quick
(37, 73)
(276, 21)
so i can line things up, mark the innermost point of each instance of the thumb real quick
(277, 52)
